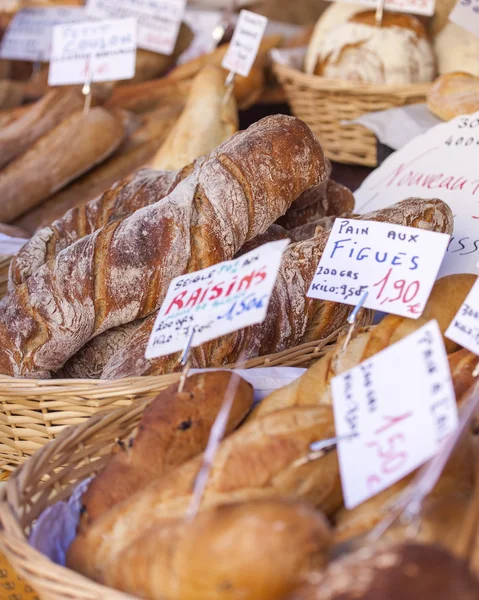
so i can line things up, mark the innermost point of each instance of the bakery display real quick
(454, 94)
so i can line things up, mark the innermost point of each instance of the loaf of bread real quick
(208, 119)
(91, 360)
(292, 318)
(456, 50)
(247, 550)
(314, 386)
(96, 135)
(149, 95)
(174, 428)
(135, 152)
(392, 572)
(9, 115)
(128, 195)
(454, 94)
(12, 93)
(117, 274)
(259, 460)
(396, 53)
(40, 118)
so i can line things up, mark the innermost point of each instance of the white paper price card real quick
(29, 35)
(396, 265)
(159, 21)
(245, 43)
(464, 328)
(441, 163)
(466, 14)
(394, 411)
(216, 300)
(418, 7)
(105, 49)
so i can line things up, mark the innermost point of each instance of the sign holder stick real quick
(185, 359)
(321, 448)
(86, 90)
(229, 87)
(353, 320)
(379, 13)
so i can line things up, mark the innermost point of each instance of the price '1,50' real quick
(391, 290)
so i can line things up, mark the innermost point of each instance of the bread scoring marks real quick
(432, 215)
(30, 258)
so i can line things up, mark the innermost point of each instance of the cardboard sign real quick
(102, 50)
(466, 14)
(442, 163)
(418, 7)
(396, 409)
(216, 300)
(29, 35)
(464, 328)
(245, 43)
(396, 265)
(159, 21)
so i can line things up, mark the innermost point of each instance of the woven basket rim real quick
(348, 87)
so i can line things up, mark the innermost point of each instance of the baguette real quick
(258, 461)
(174, 428)
(207, 115)
(64, 153)
(134, 153)
(454, 94)
(314, 386)
(142, 97)
(249, 550)
(39, 119)
(292, 318)
(117, 275)
(12, 93)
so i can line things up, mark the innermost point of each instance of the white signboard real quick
(216, 300)
(464, 328)
(29, 35)
(99, 50)
(466, 15)
(396, 265)
(418, 7)
(441, 163)
(159, 21)
(396, 409)
(245, 43)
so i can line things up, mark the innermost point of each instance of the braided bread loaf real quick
(121, 272)
(292, 318)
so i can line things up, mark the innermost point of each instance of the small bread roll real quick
(398, 53)
(454, 94)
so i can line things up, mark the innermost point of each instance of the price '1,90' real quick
(391, 290)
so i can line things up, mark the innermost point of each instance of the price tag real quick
(466, 14)
(105, 49)
(395, 409)
(216, 300)
(418, 7)
(245, 43)
(159, 21)
(29, 35)
(396, 265)
(441, 163)
(464, 328)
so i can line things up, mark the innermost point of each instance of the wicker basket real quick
(325, 103)
(33, 412)
(4, 266)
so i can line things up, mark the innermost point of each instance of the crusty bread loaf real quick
(247, 550)
(454, 94)
(174, 428)
(456, 50)
(135, 152)
(292, 317)
(117, 274)
(77, 144)
(314, 386)
(206, 121)
(259, 460)
(42, 116)
(12, 93)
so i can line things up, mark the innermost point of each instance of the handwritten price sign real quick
(464, 328)
(396, 265)
(217, 300)
(396, 408)
(158, 21)
(466, 14)
(29, 35)
(418, 7)
(245, 43)
(441, 163)
(106, 49)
